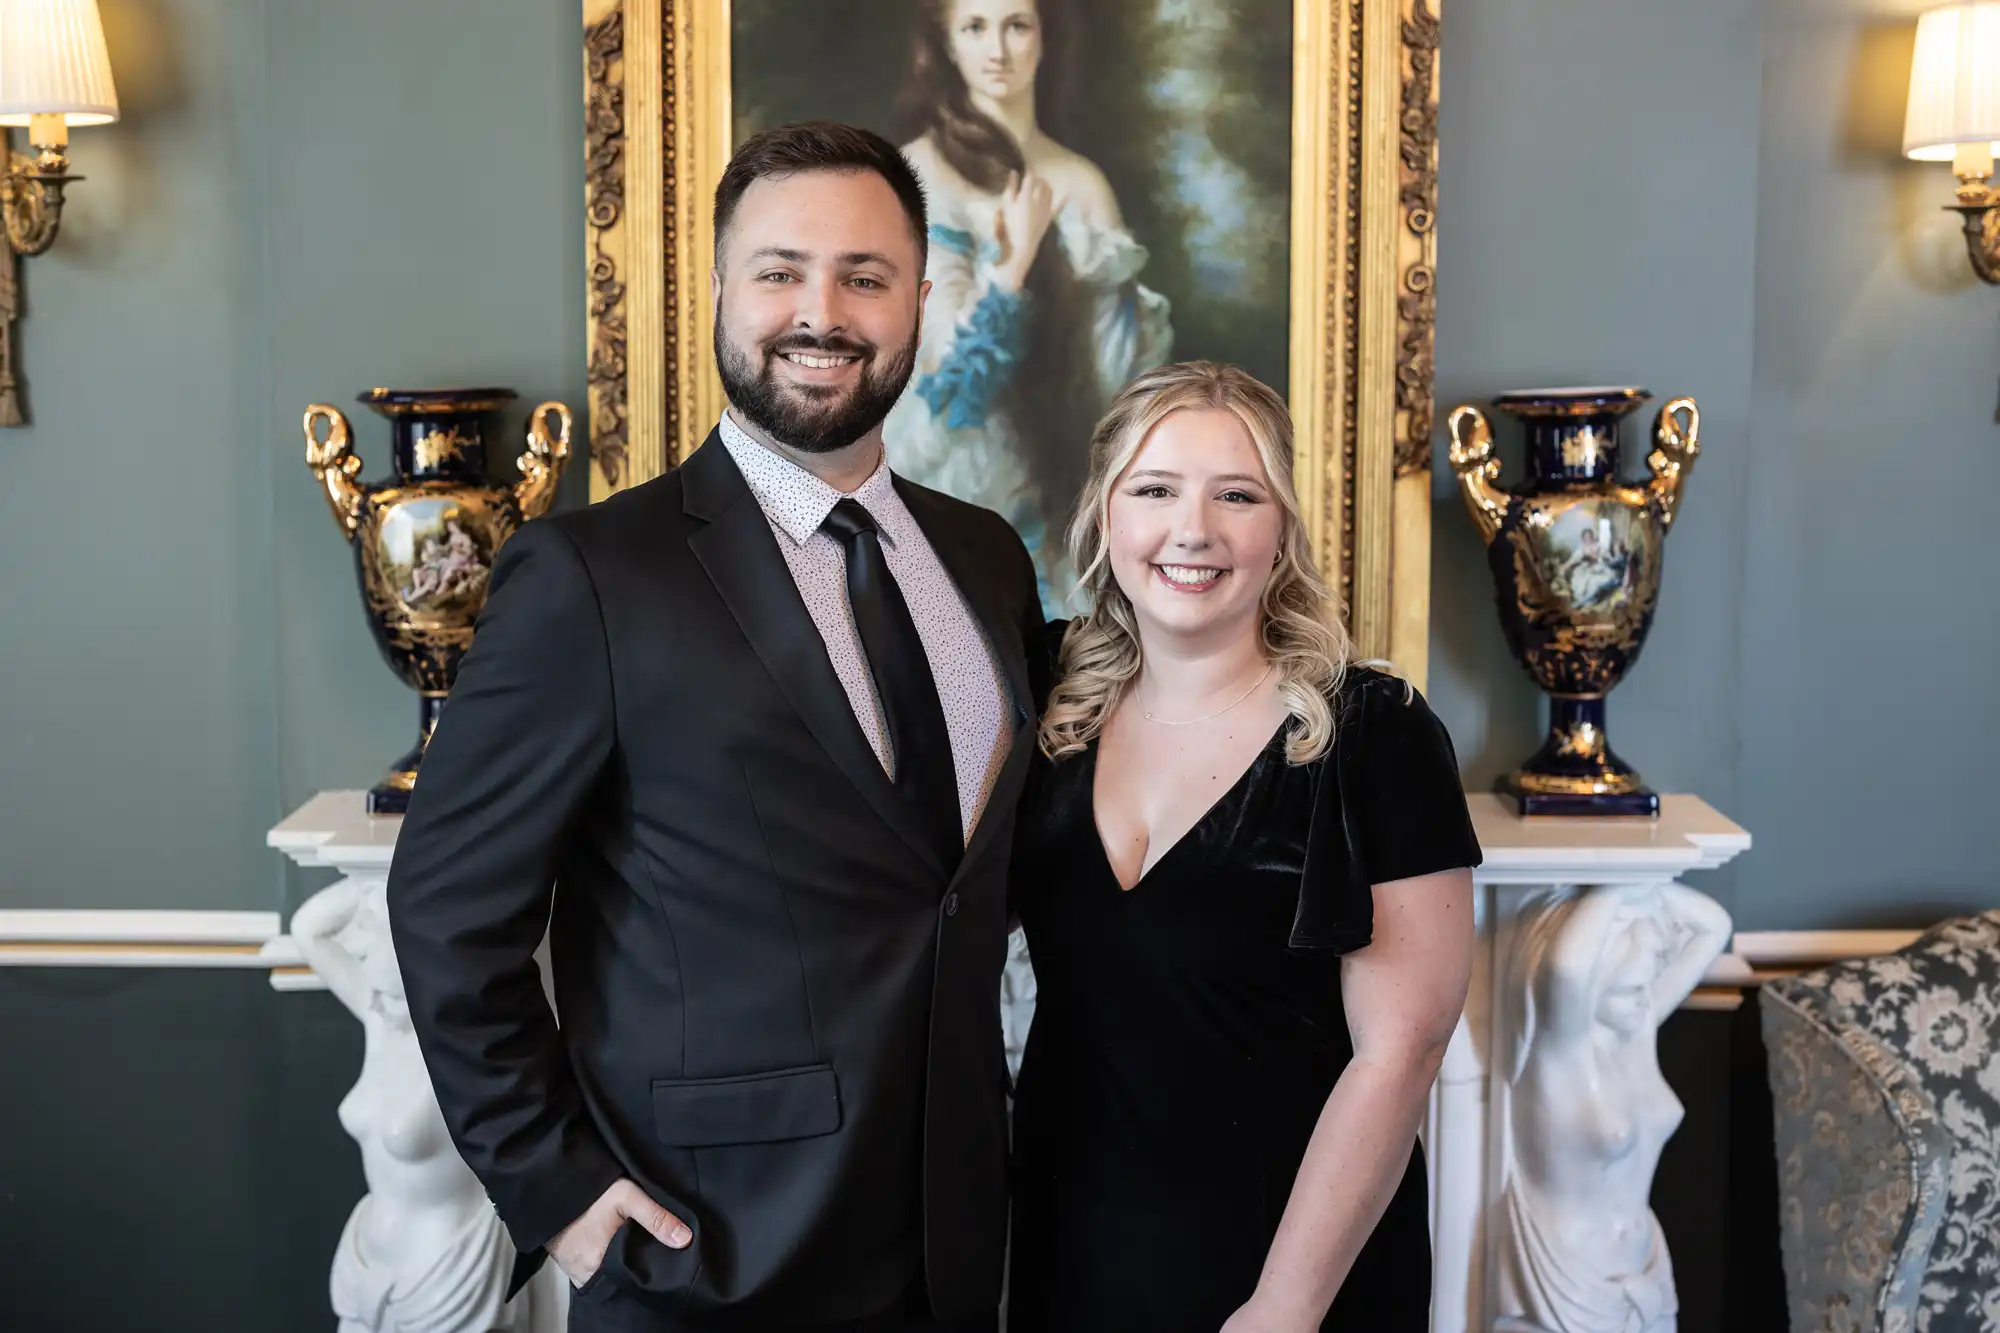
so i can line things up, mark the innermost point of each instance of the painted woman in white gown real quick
(1036, 316)
(423, 1252)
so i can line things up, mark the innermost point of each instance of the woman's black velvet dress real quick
(1188, 1032)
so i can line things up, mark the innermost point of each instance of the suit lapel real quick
(739, 552)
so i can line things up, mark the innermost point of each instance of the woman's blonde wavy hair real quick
(1302, 632)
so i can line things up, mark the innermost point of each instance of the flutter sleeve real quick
(1131, 325)
(1388, 805)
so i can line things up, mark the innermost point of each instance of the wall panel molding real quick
(135, 938)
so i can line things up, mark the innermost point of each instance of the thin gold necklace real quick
(1147, 713)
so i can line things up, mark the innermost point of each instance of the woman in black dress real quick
(1243, 869)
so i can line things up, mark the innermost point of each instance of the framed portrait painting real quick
(1251, 181)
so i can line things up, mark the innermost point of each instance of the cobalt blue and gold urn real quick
(424, 542)
(1575, 556)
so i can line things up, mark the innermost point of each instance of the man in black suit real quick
(746, 740)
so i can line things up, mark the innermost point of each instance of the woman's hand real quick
(1262, 1315)
(1026, 209)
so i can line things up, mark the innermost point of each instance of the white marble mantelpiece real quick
(331, 831)
(1481, 1121)
(335, 829)
(1474, 1126)
(1689, 835)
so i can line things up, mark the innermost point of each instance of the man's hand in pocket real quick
(578, 1248)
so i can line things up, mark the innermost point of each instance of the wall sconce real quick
(54, 73)
(1954, 116)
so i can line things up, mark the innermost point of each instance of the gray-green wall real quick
(1870, 629)
(137, 755)
(1598, 201)
(303, 200)
(1707, 197)
(306, 199)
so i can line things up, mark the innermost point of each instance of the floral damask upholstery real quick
(1885, 1080)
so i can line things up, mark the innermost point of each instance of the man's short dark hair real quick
(819, 145)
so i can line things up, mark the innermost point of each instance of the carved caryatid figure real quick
(423, 1252)
(1591, 974)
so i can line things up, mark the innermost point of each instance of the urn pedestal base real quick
(1576, 772)
(391, 796)
(1641, 804)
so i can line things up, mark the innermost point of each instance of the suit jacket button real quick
(951, 904)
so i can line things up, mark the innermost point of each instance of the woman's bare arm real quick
(1403, 995)
(1698, 929)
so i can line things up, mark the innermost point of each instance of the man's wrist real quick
(549, 1211)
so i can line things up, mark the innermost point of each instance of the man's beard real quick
(813, 419)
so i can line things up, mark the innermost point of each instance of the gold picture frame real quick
(1364, 208)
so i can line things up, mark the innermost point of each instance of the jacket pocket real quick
(784, 1104)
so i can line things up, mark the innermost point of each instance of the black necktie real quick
(919, 743)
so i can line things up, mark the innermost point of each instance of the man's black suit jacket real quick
(779, 1012)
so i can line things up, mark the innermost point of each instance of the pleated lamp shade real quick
(53, 62)
(1954, 83)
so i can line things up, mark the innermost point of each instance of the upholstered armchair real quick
(1885, 1080)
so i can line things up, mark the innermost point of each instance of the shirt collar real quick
(795, 500)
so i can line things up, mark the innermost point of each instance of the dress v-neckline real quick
(1146, 872)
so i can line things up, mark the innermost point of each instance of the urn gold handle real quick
(1676, 444)
(541, 466)
(334, 462)
(1478, 470)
